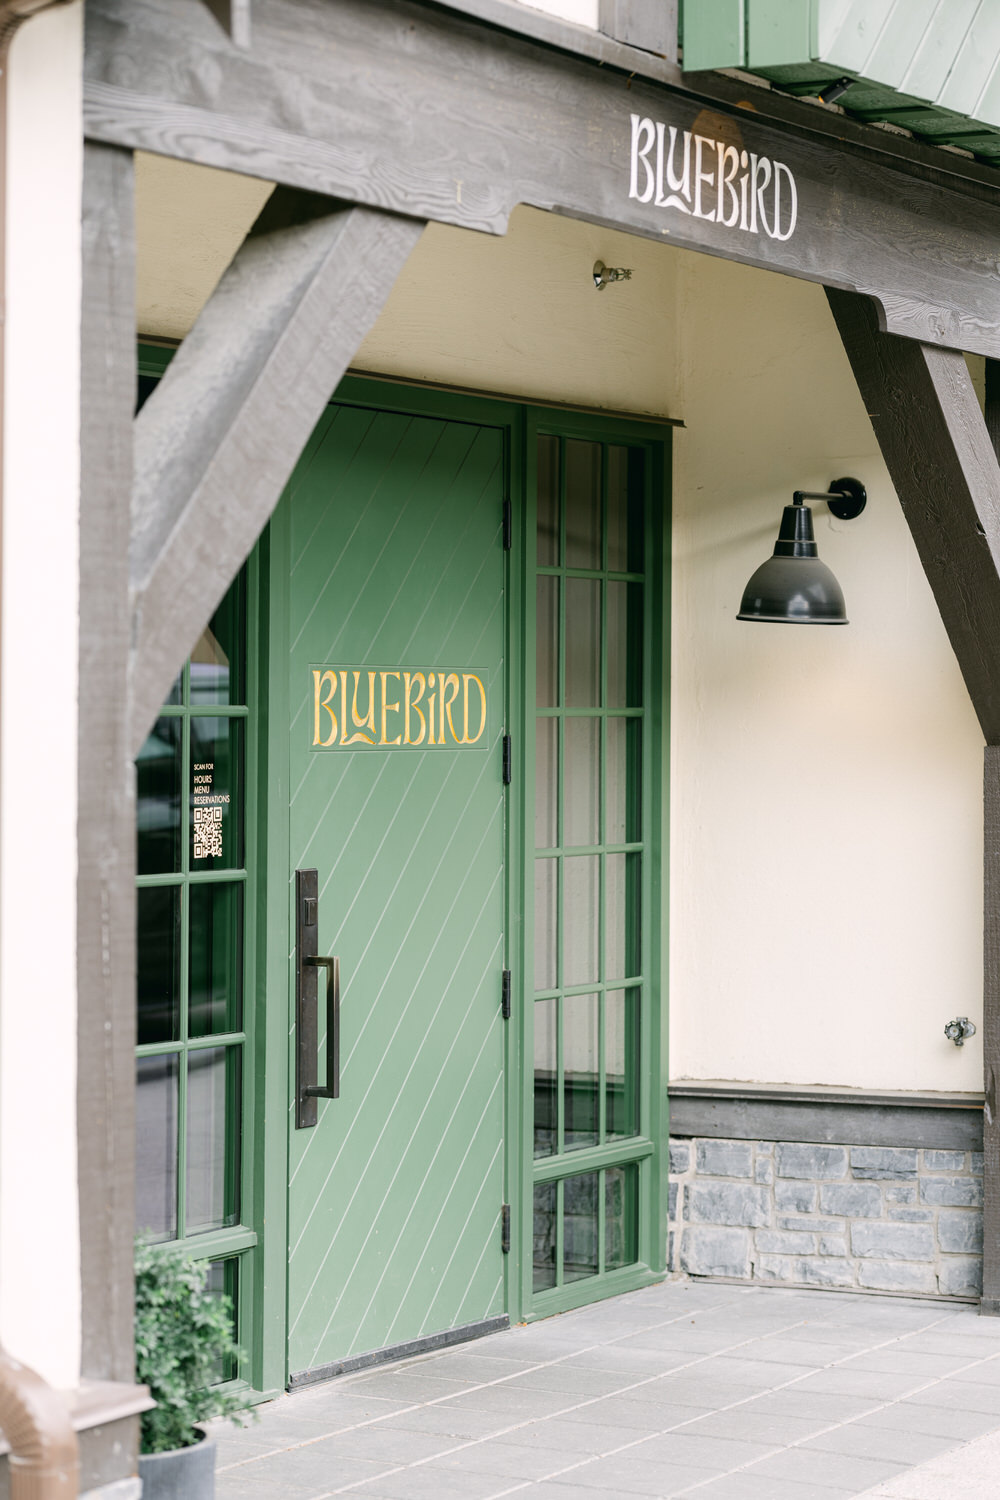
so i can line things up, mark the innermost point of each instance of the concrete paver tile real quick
(635, 1362)
(937, 1421)
(797, 1402)
(306, 1471)
(845, 1380)
(572, 1438)
(701, 1451)
(744, 1486)
(880, 1442)
(445, 1418)
(963, 1394)
(395, 1444)
(408, 1385)
(574, 1380)
(514, 1403)
(630, 1411)
(516, 1461)
(753, 1372)
(556, 1489)
(634, 1476)
(901, 1360)
(773, 1429)
(835, 1468)
(784, 1349)
(431, 1482)
(969, 1472)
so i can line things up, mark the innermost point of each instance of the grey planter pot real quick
(181, 1474)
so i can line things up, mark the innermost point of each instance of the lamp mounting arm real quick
(846, 498)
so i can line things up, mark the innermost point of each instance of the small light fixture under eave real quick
(793, 587)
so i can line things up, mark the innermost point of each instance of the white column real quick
(39, 617)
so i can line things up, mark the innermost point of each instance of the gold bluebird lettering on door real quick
(398, 708)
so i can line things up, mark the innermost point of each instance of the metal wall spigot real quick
(604, 275)
(956, 1031)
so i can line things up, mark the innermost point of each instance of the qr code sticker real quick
(207, 833)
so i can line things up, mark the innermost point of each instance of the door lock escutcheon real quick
(308, 963)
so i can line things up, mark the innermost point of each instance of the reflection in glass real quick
(544, 1236)
(223, 1280)
(215, 981)
(156, 1147)
(583, 504)
(547, 643)
(158, 963)
(213, 1081)
(580, 1247)
(624, 645)
(548, 502)
(623, 768)
(581, 918)
(581, 1072)
(546, 1077)
(621, 1063)
(158, 809)
(583, 642)
(546, 782)
(217, 659)
(625, 507)
(621, 912)
(546, 923)
(621, 1217)
(216, 793)
(582, 782)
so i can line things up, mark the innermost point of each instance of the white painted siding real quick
(39, 1236)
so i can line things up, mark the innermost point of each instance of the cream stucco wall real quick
(39, 1237)
(825, 783)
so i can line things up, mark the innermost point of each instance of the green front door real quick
(387, 569)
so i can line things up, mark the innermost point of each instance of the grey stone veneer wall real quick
(885, 1218)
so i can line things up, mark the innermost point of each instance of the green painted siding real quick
(929, 66)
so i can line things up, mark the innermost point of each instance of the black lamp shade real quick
(793, 587)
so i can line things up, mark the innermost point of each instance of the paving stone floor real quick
(715, 1391)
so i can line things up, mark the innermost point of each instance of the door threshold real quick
(395, 1352)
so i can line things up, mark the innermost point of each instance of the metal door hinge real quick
(505, 1228)
(505, 995)
(508, 523)
(506, 759)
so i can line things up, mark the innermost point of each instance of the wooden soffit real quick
(427, 113)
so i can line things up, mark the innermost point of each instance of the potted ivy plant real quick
(183, 1339)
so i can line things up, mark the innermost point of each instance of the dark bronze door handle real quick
(308, 962)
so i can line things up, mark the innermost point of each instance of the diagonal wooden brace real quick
(219, 437)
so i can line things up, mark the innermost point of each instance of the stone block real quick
(826, 1272)
(900, 1192)
(855, 1200)
(727, 1203)
(778, 1242)
(672, 1196)
(796, 1197)
(896, 1276)
(976, 1162)
(672, 1251)
(816, 1226)
(911, 1215)
(883, 1162)
(707, 1251)
(680, 1156)
(892, 1241)
(960, 1232)
(961, 1276)
(774, 1268)
(832, 1244)
(944, 1161)
(764, 1170)
(724, 1158)
(765, 1148)
(811, 1161)
(952, 1192)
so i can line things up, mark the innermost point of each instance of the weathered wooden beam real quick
(382, 102)
(219, 437)
(934, 440)
(106, 821)
(234, 15)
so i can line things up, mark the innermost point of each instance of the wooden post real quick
(106, 821)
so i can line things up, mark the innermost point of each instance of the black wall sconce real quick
(793, 587)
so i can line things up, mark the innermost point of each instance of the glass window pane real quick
(581, 918)
(546, 1077)
(581, 1072)
(623, 767)
(158, 964)
(622, 891)
(582, 782)
(213, 1093)
(621, 1217)
(626, 472)
(583, 504)
(216, 793)
(621, 1063)
(223, 1280)
(158, 791)
(547, 643)
(546, 782)
(174, 696)
(156, 1147)
(215, 981)
(580, 1248)
(548, 502)
(546, 887)
(583, 642)
(217, 660)
(544, 1236)
(624, 645)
